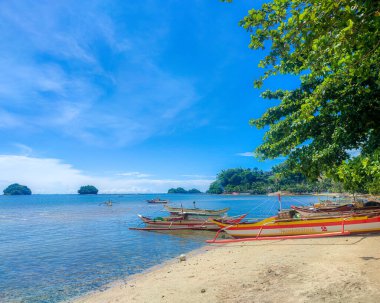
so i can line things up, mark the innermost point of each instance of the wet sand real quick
(341, 269)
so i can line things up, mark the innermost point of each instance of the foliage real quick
(180, 190)
(334, 46)
(194, 191)
(17, 189)
(88, 190)
(362, 174)
(255, 181)
(215, 188)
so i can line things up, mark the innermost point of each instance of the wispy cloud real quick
(47, 175)
(134, 174)
(198, 176)
(24, 149)
(85, 74)
(245, 154)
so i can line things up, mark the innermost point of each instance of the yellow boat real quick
(279, 226)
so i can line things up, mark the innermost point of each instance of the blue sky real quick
(130, 96)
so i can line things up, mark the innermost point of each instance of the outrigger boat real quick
(183, 223)
(307, 212)
(369, 207)
(196, 211)
(157, 201)
(287, 225)
(175, 223)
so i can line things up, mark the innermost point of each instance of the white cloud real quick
(48, 175)
(85, 75)
(135, 174)
(198, 176)
(246, 154)
(24, 149)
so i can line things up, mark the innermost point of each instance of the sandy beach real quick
(341, 269)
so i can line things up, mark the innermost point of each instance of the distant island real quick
(17, 189)
(88, 190)
(180, 190)
(258, 182)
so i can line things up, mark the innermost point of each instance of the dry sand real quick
(342, 269)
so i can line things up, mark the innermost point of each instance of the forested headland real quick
(181, 190)
(256, 181)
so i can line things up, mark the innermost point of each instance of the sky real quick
(129, 96)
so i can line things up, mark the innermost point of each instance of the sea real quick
(54, 248)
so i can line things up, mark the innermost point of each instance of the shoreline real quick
(120, 283)
(339, 269)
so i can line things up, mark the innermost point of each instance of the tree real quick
(215, 188)
(255, 181)
(88, 190)
(362, 174)
(335, 47)
(194, 191)
(180, 190)
(17, 189)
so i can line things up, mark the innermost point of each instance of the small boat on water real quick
(288, 224)
(184, 223)
(197, 211)
(176, 223)
(157, 201)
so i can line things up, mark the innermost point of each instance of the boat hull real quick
(157, 201)
(272, 227)
(180, 224)
(196, 211)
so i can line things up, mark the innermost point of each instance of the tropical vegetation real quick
(17, 189)
(180, 190)
(328, 125)
(88, 190)
(256, 181)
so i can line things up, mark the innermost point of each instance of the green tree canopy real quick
(256, 181)
(334, 46)
(215, 188)
(194, 191)
(88, 190)
(17, 189)
(181, 190)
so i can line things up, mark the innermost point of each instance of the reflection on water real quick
(54, 247)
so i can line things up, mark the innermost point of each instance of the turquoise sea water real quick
(56, 247)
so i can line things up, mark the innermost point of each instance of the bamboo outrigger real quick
(370, 207)
(196, 211)
(183, 223)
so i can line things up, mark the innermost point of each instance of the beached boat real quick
(369, 207)
(323, 211)
(196, 211)
(157, 201)
(278, 226)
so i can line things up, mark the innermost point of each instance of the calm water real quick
(55, 247)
